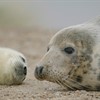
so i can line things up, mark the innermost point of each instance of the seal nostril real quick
(40, 70)
(25, 70)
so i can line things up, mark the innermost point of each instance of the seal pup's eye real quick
(69, 50)
(22, 59)
(47, 49)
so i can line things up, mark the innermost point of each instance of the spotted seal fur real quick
(73, 57)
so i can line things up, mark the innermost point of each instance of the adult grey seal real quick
(73, 57)
(13, 67)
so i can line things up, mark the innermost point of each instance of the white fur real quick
(9, 60)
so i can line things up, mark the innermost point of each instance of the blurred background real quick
(49, 14)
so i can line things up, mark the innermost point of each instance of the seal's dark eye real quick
(22, 59)
(47, 49)
(69, 50)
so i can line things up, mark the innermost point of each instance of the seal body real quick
(73, 57)
(13, 67)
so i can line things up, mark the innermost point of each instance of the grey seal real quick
(73, 57)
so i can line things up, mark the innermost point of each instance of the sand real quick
(33, 45)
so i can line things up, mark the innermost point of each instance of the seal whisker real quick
(66, 79)
(78, 83)
(58, 82)
(71, 80)
(62, 83)
(73, 87)
(65, 84)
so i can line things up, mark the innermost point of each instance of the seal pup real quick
(73, 57)
(13, 67)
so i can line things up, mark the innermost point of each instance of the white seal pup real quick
(13, 67)
(73, 57)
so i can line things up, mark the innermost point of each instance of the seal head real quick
(13, 67)
(70, 60)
